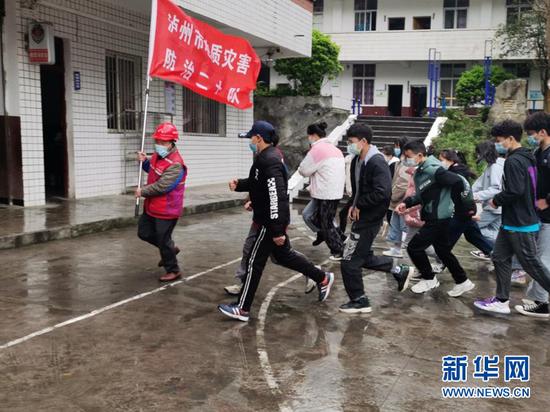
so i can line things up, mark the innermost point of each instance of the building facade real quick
(71, 129)
(385, 47)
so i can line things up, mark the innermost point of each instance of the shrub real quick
(462, 132)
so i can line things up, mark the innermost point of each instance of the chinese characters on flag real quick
(192, 53)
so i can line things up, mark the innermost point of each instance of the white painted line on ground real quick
(116, 305)
(260, 338)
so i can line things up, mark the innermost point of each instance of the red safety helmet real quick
(167, 132)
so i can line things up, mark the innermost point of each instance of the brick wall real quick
(98, 162)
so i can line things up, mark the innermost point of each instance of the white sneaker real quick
(336, 258)
(492, 304)
(310, 285)
(425, 285)
(233, 290)
(461, 288)
(393, 252)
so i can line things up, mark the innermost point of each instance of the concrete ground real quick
(116, 348)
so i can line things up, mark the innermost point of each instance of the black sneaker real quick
(403, 277)
(535, 309)
(319, 239)
(360, 305)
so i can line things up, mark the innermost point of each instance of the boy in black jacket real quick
(520, 222)
(267, 185)
(371, 184)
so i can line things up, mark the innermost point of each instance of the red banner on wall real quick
(194, 54)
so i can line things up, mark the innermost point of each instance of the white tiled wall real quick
(99, 165)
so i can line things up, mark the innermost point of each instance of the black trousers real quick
(436, 234)
(326, 212)
(158, 232)
(471, 232)
(284, 255)
(358, 254)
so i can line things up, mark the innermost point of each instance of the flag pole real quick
(152, 35)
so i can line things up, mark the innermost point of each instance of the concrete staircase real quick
(387, 129)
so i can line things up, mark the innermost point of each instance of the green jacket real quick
(434, 187)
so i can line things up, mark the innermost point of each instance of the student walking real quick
(436, 188)
(371, 183)
(325, 166)
(520, 221)
(267, 186)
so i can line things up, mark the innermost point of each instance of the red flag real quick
(187, 51)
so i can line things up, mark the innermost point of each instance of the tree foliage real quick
(462, 133)
(307, 74)
(470, 88)
(527, 37)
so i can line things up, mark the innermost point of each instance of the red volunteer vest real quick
(169, 205)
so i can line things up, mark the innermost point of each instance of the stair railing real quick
(297, 182)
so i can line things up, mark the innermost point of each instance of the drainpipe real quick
(3, 79)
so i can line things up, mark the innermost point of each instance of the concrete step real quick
(396, 118)
(399, 133)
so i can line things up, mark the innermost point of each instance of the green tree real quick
(307, 74)
(527, 36)
(470, 88)
(462, 132)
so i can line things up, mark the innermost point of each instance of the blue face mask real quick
(161, 150)
(532, 140)
(353, 149)
(253, 147)
(397, 152)
(500, 148)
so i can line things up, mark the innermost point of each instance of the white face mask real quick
(445, 164)
(410, 162)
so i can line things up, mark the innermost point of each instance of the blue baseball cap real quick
(263, 129)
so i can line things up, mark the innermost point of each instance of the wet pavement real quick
(172, 351)
(62, 219)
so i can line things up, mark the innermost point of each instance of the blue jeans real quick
(489, 224)
(535, 290)
(397, 228)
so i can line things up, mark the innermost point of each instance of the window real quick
(318, 6)
(123, 87)
(515, 8)
(422, 23)
(396, 23)
(202, 115)
(456, 13)
(365, 15)
(450, 73)
(520, 70)
(363, 82)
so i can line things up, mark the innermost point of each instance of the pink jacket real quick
(325, 166)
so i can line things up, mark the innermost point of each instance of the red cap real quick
(167, 132)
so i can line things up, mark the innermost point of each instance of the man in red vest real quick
(163, 195)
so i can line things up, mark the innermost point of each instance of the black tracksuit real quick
(267, 185)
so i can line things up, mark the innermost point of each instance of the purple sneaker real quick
(492, 304)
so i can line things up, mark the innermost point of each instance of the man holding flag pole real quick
(222, 67)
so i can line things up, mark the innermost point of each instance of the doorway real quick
(395, 99)
(54, 124)
(419, 95)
